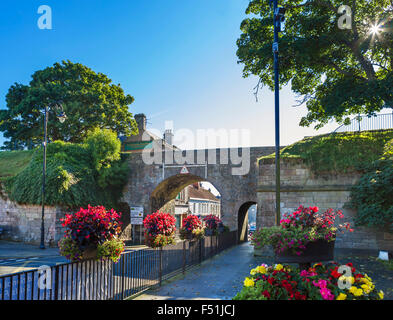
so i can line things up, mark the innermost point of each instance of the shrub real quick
(337, 153)
(372, 197)
(104, 147)
(76, 175)
(299, 228)
(317, 283)
(160, 229)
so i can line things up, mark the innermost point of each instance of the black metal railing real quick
(368, 123)
(136, 271)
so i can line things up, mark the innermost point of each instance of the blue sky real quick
(176, 57)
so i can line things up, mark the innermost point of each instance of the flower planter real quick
(317, 251)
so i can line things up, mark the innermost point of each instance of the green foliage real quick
(388, 151)
(263, 237)
(72, 177)
(251, 293)
(335, 72)
(90, 100)
(70, 249)
(104, 147)
(338, 153)
(372, 196)
(111, 249)
(12, 162)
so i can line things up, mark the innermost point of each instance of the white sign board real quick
(136, 220)
(136, 212)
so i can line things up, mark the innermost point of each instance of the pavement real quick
(222, 277)
(219, 278)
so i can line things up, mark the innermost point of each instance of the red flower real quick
(335, 274)
(266, 294)
(299, 296)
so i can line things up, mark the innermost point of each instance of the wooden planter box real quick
(317, 251)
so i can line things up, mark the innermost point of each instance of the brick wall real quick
(299, 186)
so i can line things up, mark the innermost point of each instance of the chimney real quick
(140, 119)
(168, 136)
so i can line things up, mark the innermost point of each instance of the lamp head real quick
(62, 117)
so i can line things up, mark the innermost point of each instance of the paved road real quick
(16, 257)
(222, 277)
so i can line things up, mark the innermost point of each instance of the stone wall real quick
(151, 187)
(23, 222)
(299, 186)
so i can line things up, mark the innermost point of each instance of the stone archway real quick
(242, 221)
(169, 188)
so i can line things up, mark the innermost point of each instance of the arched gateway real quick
(152, 185)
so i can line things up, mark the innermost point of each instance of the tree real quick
(90, 100)
(336, 72)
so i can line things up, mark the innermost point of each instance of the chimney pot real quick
(140, 119)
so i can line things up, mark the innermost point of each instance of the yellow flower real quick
(380, 294)
(341, 296)
(253, 271)
(248, 282)
(352, 289)
(261, 269)
(366, 288)
(351, 280)
(279, 267)
(358, 292)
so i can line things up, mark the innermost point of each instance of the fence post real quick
(200, 251)
(160, 267)
(184, 256)
(122, 277)
(56, 291)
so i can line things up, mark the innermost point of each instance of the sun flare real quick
(375, 29)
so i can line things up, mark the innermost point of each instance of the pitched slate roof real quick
(195, 191)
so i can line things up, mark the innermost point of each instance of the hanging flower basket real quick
(92, 233)
(160, 229)
(192, 228)
(213, 224)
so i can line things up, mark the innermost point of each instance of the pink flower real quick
(303, 273)
(326, 294)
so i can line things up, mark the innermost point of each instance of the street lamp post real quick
(278, 18)
(62, 117)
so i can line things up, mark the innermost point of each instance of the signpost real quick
(184, 170)
(136, 219)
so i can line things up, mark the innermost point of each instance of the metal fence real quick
(136, 271)
(367, 123)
